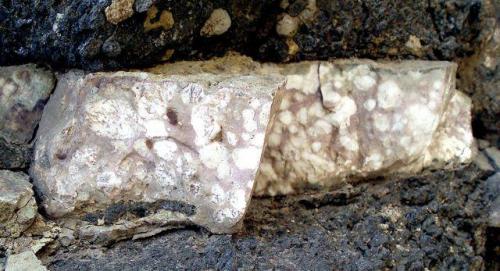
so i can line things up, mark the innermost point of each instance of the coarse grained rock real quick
(24, 91)
(131, 150)
(18, 207)
(347, 120)
(96, 34)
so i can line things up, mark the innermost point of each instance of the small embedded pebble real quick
(217, 24)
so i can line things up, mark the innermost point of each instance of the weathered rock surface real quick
(18, 207)
(349, 119)
(135, 150)
(24, 261)
(24, 91)
(96, 34)
(434, 221)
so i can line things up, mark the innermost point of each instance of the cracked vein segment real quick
(347, 120)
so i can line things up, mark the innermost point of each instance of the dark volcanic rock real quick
(479, 76)
(368, 227)
(76, 33)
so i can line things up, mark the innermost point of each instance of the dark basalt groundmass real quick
(434, 221)
(89, 35)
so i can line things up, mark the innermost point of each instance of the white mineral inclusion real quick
(223, 170)
(85, 156)
(165, 174)
(155, 128)
(329, 96)
(364, 82)
(274, 140)
(381, 122)
(232, 139)
(112, 118)
(248, 121)
(218, 194)
(246, 158)
(238, 200)
(389, 94)
(213, 154)
(308, 84)
(108, 179)
(369, 104)
(286, 117)
(349, 143)
(316, 146)
(422, 120)
(165, 149)
(258, 139)
(374, 161)
(343, 111)
(204, 124)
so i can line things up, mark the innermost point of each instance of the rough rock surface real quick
(17, 205)
(24, 91)
(351, 119)
(96, 34)
(434, 221)
(24, 261)
(494, 214)
(137, 149)
(479, 76)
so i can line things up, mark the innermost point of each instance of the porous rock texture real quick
(434, 221)
(345, 120)
(18, 207)
(24, 90)
(96, 34)
(139, 151)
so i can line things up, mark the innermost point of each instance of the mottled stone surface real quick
(346, 120)
(23, 93)
(363, 120)
(24, 261)
(17, 205)
(130, 149)
(96, 34)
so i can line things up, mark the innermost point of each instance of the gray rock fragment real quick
(23, 93)
(493, 185)
(18, 207)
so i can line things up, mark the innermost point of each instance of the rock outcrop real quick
(137, 151)
(18, 207)
(24, 91)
